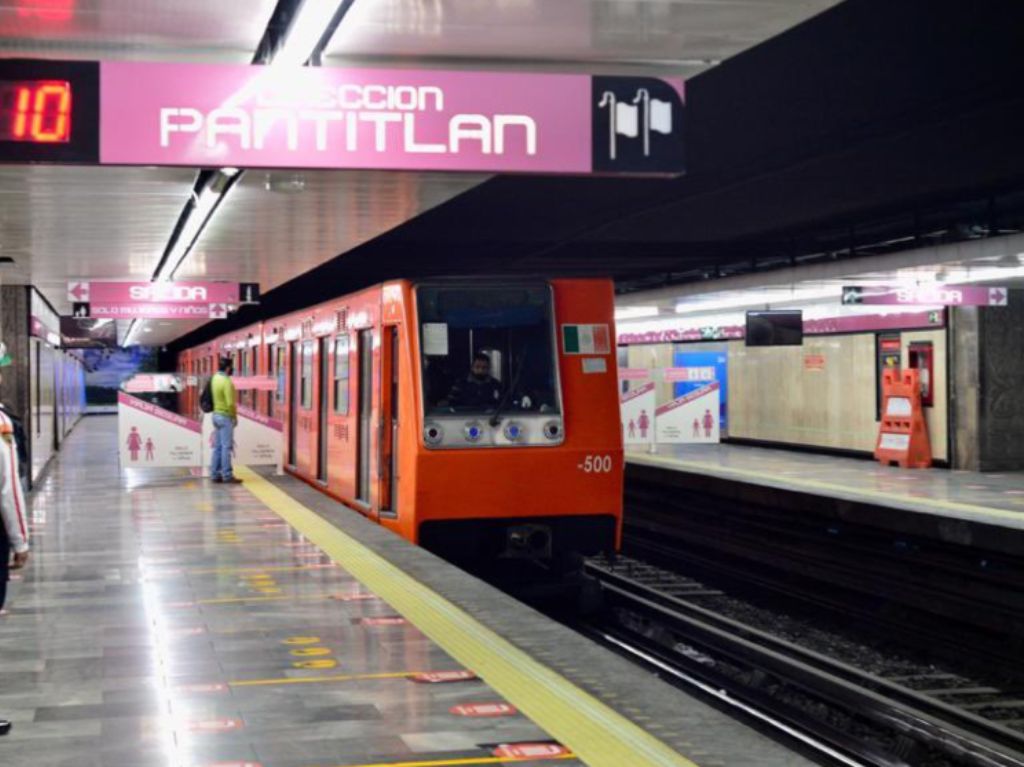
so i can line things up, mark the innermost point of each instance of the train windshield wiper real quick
(503, 402)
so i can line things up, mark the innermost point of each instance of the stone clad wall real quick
(1001, 406)
(14, 391)
(988, 379)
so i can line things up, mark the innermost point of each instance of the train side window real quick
(280, 369)
(341, 374)
(307, 375)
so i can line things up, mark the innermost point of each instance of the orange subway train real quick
(478, 419)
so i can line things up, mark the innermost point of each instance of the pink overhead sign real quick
(201, 115)
(154, 292)
(157, 311)
(927, 295)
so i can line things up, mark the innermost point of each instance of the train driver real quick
(479, 390)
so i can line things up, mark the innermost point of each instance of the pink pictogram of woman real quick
(644, 422)
(709, 422)
(134, 443)
(149, 449)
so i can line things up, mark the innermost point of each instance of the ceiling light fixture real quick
(315, 20)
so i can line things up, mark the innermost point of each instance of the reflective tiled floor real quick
(167, 621)
(997, 498)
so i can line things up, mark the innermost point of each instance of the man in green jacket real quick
(225, 418)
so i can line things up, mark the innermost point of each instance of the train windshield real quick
(487, 349)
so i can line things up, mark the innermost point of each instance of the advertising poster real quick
(719, 360)
(107, 369)
(637, 409)
(692, 418)
(151, 437)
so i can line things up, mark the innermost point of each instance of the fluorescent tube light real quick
(310, 25)
(190, 232)
(636, 312)
(758, 298)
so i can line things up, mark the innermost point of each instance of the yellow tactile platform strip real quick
(596, 733)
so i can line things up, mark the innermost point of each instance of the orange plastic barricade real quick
(903, 434)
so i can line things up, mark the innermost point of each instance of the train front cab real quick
(536, 475)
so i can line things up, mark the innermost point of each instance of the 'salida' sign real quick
(312, 117)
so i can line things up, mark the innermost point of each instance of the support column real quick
(988, 386)
(14, 391)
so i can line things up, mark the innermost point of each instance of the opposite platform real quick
(168, 621)
(995, 499)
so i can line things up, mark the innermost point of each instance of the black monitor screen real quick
(775, 328)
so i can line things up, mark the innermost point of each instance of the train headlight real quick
(553, 429)
(433, 434)
(513, 431)
(473, 431)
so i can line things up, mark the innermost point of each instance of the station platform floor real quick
(164, 620)
(994, 499)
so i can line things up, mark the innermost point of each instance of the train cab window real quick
(306, 382)
(487, 348)
(341, 374)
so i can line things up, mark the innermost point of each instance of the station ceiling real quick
(64, 223)
(871, 119)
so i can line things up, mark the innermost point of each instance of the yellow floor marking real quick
(598, 734)
(320, 679)
(773, 479)
(467, 762)
(233, 600)
(249, 569)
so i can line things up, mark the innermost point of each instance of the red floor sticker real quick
(441, 677)
(389, 621)
(216, 725)
(479, 710)
(530, 750)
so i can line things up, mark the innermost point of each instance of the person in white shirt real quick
(13, 512)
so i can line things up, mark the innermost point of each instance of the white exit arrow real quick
(78, 291)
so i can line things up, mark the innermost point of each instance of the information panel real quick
(200, 115)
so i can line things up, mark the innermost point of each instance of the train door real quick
(388, 466)
(293, 399)
(364, 397)
(323, 403)
(271, 357)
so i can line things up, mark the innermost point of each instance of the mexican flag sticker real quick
(586, 339)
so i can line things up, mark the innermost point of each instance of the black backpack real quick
(206, 397)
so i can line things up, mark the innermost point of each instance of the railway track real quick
(933, 594)
(904, 715)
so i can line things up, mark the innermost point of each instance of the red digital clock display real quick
(35, 111)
